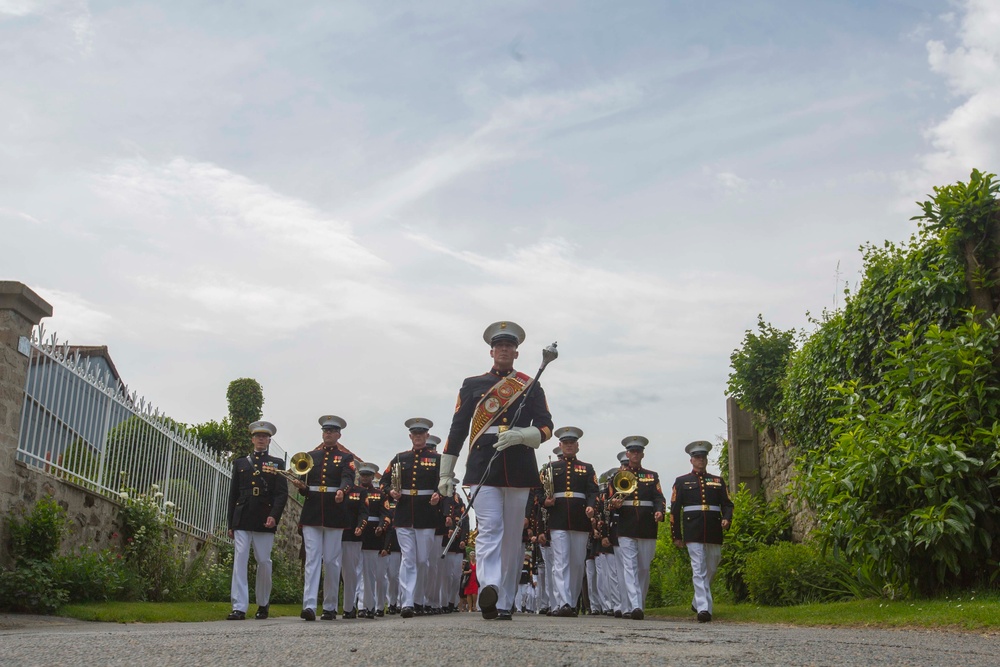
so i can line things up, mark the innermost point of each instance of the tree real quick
(246, 399)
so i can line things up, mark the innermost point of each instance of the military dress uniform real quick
(575, 490)
(485, 408)
(257, 491)
(606, 562)
(636, 524)
(323, 521)
(452, 569)
(374, 568)
(699, 503)
(351, 569)
(415, 519)
(391, 553)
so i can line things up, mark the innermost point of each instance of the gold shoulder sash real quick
(493, 402)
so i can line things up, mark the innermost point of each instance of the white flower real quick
(157, 495)
(123, 495)
(168, 505)
(155, 487)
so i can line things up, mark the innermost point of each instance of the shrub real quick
(759, 367)
(787, 573)
(670, 573)
(35, 535)
(90, 575)
(31, 589)
(756, 523)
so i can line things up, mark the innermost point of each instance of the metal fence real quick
(80, 423)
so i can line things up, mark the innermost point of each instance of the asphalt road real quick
(465, 640)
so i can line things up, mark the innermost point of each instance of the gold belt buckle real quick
(413, 492)
(322, 489)
(256, 491)
(635, 503)
(704, 508)
(568, 494)
(501, 429)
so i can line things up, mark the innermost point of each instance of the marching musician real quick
(700, 509)
(324, 518)
(374, 569)
(351, 568)
(412, 479)
(638, 514)
(570, 512)
(391, 553)
(486, 406)
(257, 497)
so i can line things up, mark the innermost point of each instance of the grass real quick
(162, 612)
(969, 612)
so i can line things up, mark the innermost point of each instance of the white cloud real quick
(969, 137)
(73, 13)
(19, 215)
(74, 318)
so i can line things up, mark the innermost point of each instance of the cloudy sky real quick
(337, 198)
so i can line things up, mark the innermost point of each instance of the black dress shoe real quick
(544, 611)
(236, 615)
(704, 617)
(351, 614)
(488, 601)
(308, 615)
(369, 613)
(627, 614)
(328, 615)
(618, 614)
(393, 609)
(609, 613)
(504, 615)
(564, 611)
(262, 612)
(407, 612)
(638, 615)
(379, 613)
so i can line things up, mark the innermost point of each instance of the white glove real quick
(519, 435)
(446, 485)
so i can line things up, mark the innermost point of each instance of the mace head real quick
(550, 354)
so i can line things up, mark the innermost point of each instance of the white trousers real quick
(545, 595)
(417, 547)
(432, 587)
(323, 548)
(595, 601)
(392, 574)
(239, 589)
(351, 571)
(454, 582)
(375, 570)
(607, 581)
(569, 553)
(704, 562)
(634, 558)
(499, 552)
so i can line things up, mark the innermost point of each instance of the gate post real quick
(744, 448)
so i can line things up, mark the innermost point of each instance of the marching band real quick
(558, 540)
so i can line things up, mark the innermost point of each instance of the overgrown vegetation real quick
(893, 405)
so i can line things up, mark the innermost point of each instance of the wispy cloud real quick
(75, 14)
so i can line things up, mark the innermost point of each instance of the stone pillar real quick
(744, 448)
(20, 310)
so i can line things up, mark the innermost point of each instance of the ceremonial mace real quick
(549, 354)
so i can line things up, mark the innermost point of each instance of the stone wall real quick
(93, 518)
(759, 460)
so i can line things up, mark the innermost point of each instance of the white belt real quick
(418, 492)
(569, 494)
(373, 519)
(492, 429)
(324, 489)
(702, 508)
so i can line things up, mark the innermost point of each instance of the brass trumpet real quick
(624, 484)
(548, 483)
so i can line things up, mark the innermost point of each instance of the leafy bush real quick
(787, 573)
(31, 589)
(90, 575)
(669, 573)
(156, 563)
(909, 481)
(756, 523)
(759, 367)
(35, 535)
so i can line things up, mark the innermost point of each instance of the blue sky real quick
(337, 198)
